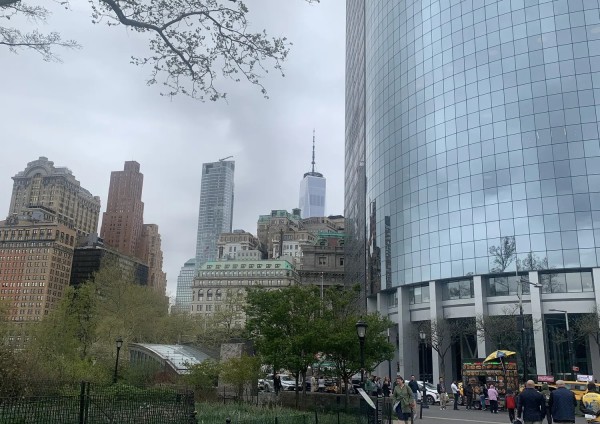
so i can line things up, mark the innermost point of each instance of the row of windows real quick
(224, 274)
(564, 282)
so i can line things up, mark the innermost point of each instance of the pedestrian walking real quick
(590, 404)
(441, 389)
(414, 386)
(511, 404)
(403, 400)
(277, 383)
(493, 397)
(561, 404)
(321, 384)
(531, 405)
(454, 388)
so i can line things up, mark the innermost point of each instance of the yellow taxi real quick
(579, 388)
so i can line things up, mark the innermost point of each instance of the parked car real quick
(265, 384)
(288, 382)
(431, 394)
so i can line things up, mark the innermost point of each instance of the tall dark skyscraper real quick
(476, 123)
(123, 221)
(313, 190)
(123, 225)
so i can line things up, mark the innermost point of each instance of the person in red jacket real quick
(510, 404)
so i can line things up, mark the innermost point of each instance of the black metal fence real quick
(88, 403)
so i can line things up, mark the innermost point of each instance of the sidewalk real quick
(450, 416)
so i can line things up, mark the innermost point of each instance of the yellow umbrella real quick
(499, 354)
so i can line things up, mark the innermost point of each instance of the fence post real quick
(82, 403)
(316, 417)
(228, 420)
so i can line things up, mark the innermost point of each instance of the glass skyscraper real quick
(215, 214)
(185, 280)
(313, 190)
(480, 123)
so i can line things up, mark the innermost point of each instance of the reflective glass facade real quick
(354, 178)
(215, 214)
(481, 121)
(313, 189)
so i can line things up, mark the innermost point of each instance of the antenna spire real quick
(313, 154)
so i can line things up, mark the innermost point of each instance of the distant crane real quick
(224, 159)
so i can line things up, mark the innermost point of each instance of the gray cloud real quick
(94, 111)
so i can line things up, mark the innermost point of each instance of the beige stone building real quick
(237, 245)
(221, 285)
(42, 184)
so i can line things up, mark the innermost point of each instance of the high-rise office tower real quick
(312, 191)
(42, 184)
(185, 281)
(215, 214)
(480, 128)
(123, 225)
(123, 221)
(151, 253)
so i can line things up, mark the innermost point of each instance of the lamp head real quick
(119, 342)
(361, 329)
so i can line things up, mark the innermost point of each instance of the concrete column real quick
(596, 278)
(595, 356)
(539, 329)
(435, 311)
(407, 348)
(480, 311)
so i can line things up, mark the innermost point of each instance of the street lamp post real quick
(520, 282)
(361, 331)
(390, 361)
(422, 337)
(569, 341)
(119, 343)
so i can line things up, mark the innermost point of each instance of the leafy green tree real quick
(191, 42)
(204, 377)
(340, 341)
(77, 340)
(286, 326)
(241, 372)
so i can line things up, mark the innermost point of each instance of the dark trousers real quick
(493, 406)
(456, 400)
(511, 414)
(469, 399)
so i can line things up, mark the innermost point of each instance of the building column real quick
(480, 311)
(407, 348)
(435, 311)
(594, 355)
(539, 329)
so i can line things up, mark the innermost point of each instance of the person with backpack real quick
(511, 404)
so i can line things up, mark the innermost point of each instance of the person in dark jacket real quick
(562, 404)
(414, 386)
(531, 405)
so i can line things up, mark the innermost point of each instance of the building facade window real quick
(459, 289)
(567, 282)
(418, 294)
(506, 286)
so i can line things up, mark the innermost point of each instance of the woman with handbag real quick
(404, 402)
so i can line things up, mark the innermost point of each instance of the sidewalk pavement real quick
(450, 416)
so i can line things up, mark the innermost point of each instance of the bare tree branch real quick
(194, 41)
(15, 39)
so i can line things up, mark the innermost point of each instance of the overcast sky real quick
(94, 111)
